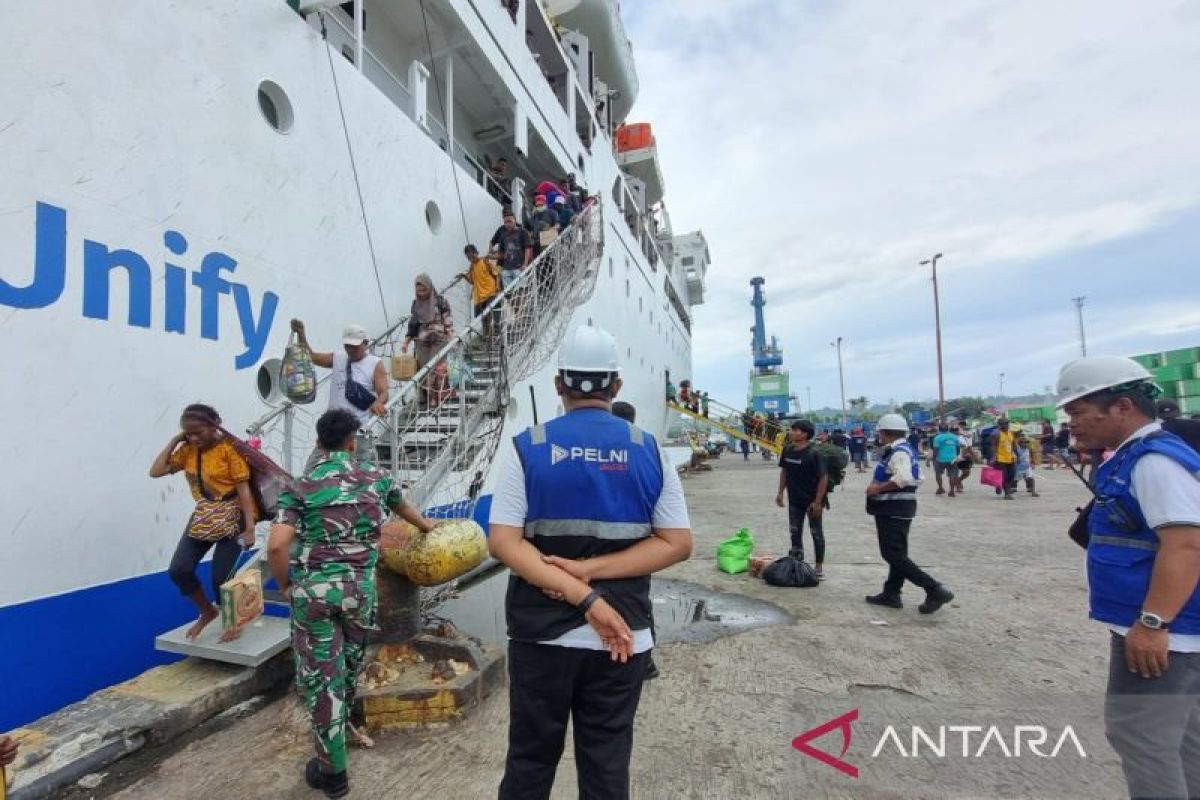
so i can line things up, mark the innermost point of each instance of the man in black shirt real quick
(1186, 429)
(511, 242)
(802, 474)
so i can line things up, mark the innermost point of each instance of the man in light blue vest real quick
(1143, 572)
(892, 500)
(584, 510)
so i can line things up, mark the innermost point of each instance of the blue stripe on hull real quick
(60, 649)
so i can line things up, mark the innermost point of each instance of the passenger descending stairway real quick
(444, 425)
(730, 420)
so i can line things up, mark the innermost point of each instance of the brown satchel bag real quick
(215, 517)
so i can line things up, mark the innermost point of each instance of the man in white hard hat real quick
(892, 500)
(1143, 572)
(583, 512)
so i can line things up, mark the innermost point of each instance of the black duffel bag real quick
(790, 571)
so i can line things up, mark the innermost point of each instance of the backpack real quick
(836, 460)
(268, 480)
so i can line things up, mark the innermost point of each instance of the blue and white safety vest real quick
(1122, 545)
(591, 481)
(902, 502)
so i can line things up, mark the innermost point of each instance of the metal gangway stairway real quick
(766, 434)
(443, 426)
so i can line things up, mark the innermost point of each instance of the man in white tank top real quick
(365, 369)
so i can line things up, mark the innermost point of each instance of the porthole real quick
(433, 216)
(275, 106)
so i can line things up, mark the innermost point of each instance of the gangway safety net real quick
(745, 425)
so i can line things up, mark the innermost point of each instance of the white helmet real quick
(892, 422)
(592, 350)
(1083, 376)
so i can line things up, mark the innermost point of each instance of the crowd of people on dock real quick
(1141, 532)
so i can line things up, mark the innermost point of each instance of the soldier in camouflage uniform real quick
(335, 512)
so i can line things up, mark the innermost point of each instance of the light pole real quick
(808, 391)
(937, 327)
(1002, 387)
(1078, 301)
(841, 377)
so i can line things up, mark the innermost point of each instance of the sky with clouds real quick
(1048, 150)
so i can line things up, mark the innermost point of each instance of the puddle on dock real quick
(683, 611)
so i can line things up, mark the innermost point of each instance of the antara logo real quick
(939, 742)
(99, 262)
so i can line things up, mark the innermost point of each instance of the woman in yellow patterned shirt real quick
(220, 482)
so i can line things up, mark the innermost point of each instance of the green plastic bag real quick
(733, 554)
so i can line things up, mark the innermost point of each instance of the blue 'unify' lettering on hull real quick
(100, 262)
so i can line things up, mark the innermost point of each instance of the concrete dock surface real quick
(1013, 661)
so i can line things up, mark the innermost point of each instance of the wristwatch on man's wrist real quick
(1152, 621)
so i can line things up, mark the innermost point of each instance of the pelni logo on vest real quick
(609, 460)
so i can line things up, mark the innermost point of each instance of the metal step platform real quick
(260, 640)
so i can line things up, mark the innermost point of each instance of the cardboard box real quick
(241, 599)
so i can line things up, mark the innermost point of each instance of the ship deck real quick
(1014, 648)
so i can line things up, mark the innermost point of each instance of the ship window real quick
(627, 287)
(687, 261)
(639, 305)
(433, 216)
(275, 106)
(610, 267)
(579, 161)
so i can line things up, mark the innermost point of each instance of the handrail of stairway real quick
(413, 384)
(762, 441)
(256, 427)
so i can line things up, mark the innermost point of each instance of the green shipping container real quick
(1188, 355)
(1189, 405)
(1176, 373)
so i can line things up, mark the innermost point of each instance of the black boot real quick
(935, 598)
(885, 599)
(334, 784)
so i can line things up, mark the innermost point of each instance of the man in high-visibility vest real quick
(892, 500)
(584, 511)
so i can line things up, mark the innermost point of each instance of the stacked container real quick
(1178, 373)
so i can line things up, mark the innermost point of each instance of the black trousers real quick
(549, 685)
(796, 516)
(1154, 724)
(893, 546)
(187, 557)
(1010, 477)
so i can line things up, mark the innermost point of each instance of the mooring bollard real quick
(399, 614)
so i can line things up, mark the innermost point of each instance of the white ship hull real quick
(126, 129)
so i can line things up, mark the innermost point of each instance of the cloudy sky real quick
(1047, 149)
